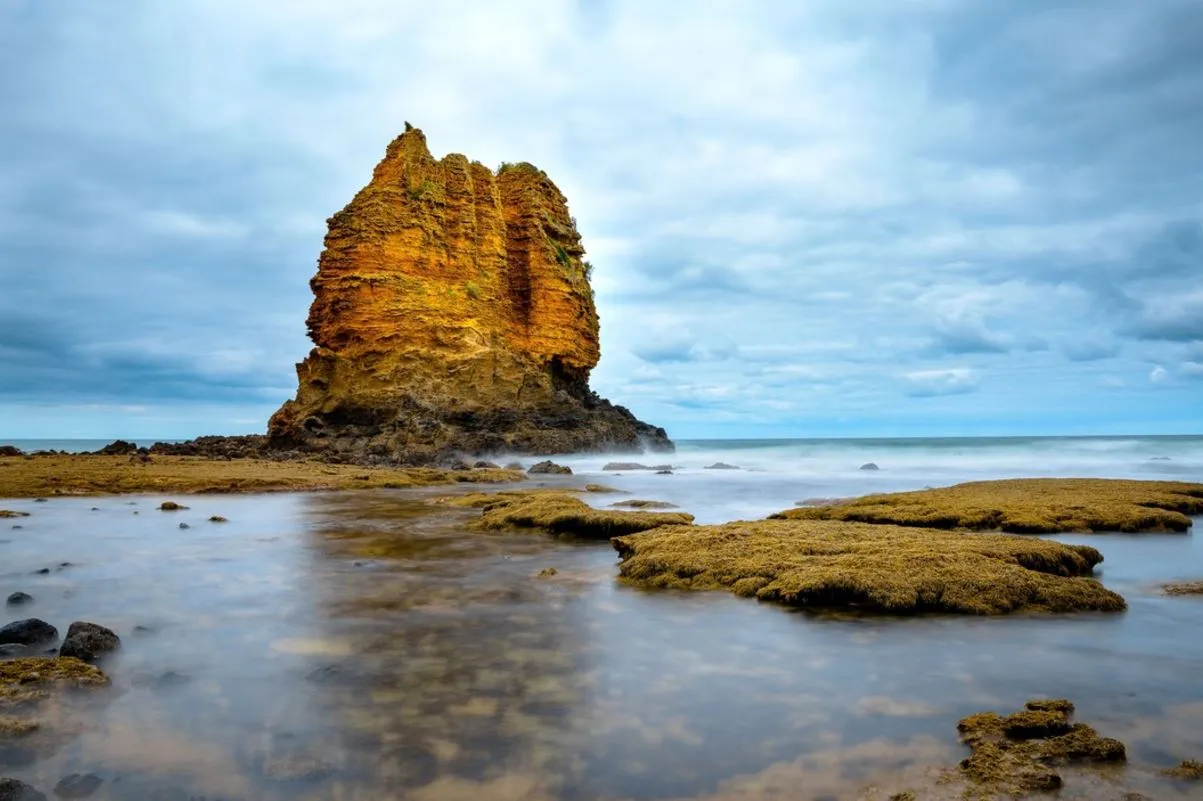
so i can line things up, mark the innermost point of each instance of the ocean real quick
(365, 645)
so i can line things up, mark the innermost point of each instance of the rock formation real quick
(452, 313)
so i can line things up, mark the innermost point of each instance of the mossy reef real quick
(883, 569)
(557, 512)
(1027, 506)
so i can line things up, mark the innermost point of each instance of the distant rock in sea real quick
(453, 314)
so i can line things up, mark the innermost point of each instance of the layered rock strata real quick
(452, 314)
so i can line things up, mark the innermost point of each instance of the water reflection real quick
(369, 646)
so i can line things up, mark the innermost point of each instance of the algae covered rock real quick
(884, 569)
(30, 679)
(1018, 754)
(559, 513)
(453, 314)
(1188, 770)
(1027, 506)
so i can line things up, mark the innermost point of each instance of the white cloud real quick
(1158, 374)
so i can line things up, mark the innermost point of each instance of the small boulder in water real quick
(721, 466)
(218, 519)
(171, 506)
(13, 790)
(869, 466)
(515, 466)
(185, 525)
(481, 464)
(625, 466)
(89, 641)
(664, 472)
(28, 632)
(18, 598)
(549, 467)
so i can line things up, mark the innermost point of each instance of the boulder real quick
(18, 598)
(10, 450)
(171, 506)
(625, 466)
(549, 467)
(869, 466)
(721, 466)
(28, 632)
(89, 641)
(13, 790)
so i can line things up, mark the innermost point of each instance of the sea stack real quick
(452, 314)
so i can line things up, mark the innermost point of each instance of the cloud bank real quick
(830, 218)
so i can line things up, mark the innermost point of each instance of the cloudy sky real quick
(880, 217)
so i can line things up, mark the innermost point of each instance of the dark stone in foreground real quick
(13, 790)
(10, 450)
(89, 642)
(549, 467)
(78, 785)
(28, 632)
(18, 598)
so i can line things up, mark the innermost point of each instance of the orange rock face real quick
(452, 313)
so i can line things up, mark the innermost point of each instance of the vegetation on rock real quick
(560, 513)
(1027, 506)
(887, 569)
(1185, 588)
(30, 679)
(1188, 770)
(1006, 759)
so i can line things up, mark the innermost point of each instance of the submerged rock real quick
(218, 519)
(78, 785)
(550, 468)
(515, 466)
(89, 641)
(1028, 506)
(1189, 770)
(31, 631)
(641, 504)
(600, 488)
(1185, 588)
(12, 650)
(721, 466)
(9, 513)
(296, 768)
(18, 598)
(171, 506)
(13, 790)
(873, 568)
(869, 466)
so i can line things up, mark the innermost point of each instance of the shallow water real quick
(366, 646)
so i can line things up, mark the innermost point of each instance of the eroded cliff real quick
(452, 313)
